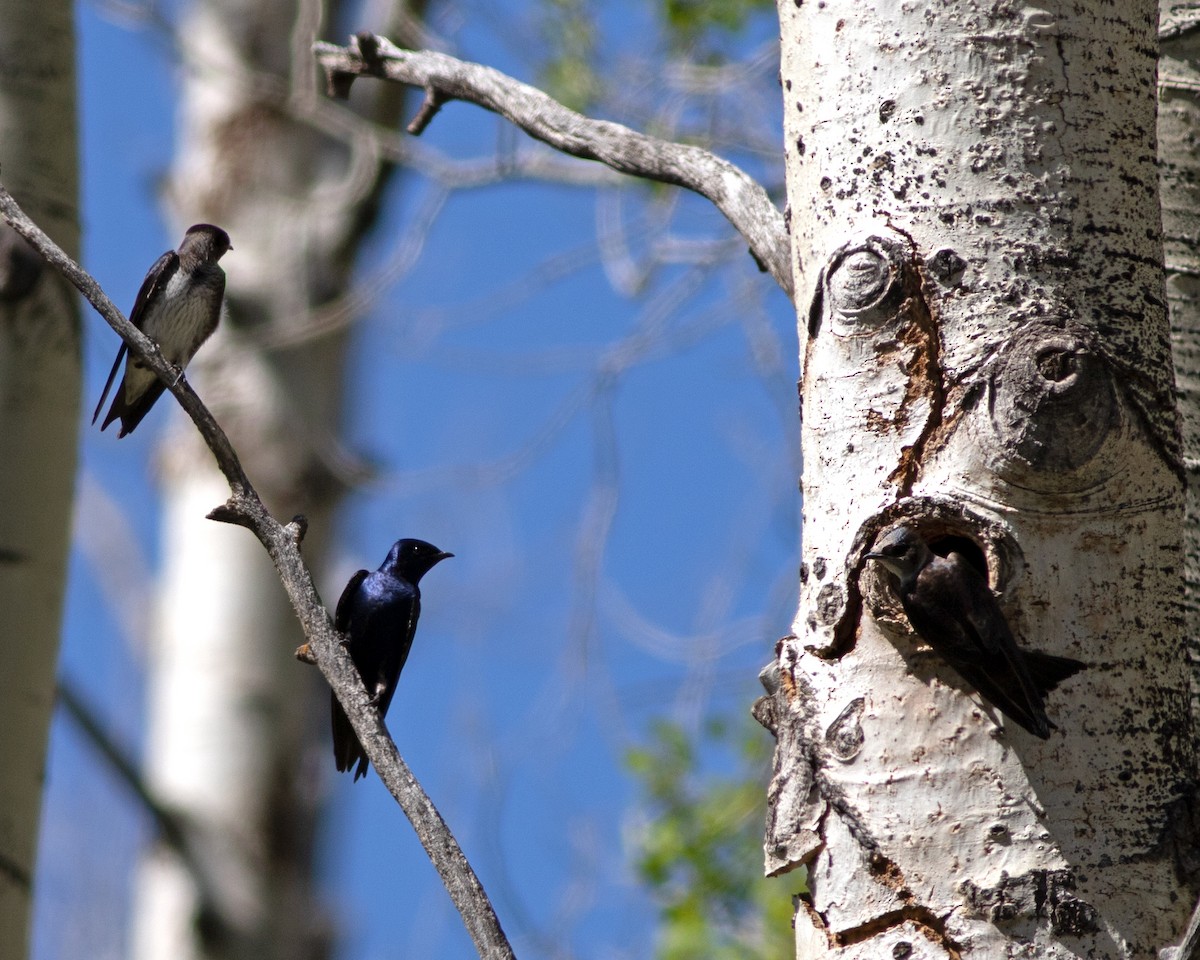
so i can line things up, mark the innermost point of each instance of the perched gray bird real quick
(951, 608)
(178, 306)
(379, 611)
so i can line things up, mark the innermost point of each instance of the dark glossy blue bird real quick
(950, 607)
(379, 612)
(178, 307)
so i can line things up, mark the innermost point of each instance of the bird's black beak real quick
(444, 555)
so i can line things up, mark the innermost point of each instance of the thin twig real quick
(245, 508)
(736, 194)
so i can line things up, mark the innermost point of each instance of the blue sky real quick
(639, 563)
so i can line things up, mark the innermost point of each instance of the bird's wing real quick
(943, 608)
(347, 751)
(967, 627)
(384, 631)
(159, 273)
(987, 621)
(112, 375)
(341, 617)
(399, 654)
(215, 284)
(157, 276)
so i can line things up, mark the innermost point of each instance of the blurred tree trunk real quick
(39, 414)
(975, 222)
(237, 728)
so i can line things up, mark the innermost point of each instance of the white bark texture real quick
(1179, 182)
(39, 414)
(975, 224)
(1179, 155)
(238, 728)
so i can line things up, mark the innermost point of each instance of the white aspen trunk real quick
(239, 729)
(1178, 119)
(39, 416)
(223, 721)
(975, 224)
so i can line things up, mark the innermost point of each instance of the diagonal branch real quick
(736, 194)
(282, 542)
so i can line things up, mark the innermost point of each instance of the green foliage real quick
(701, 851)
(694, 29)
(568, 29)
(693, 21)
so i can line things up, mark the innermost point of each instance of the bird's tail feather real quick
(1048, 671)
(347, 751)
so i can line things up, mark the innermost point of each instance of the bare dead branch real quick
(282, 543)
(736, 194)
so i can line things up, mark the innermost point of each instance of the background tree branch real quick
(737, 195)
(282, 542)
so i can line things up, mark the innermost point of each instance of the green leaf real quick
(698, 22)
(700, 851)
(568, 29)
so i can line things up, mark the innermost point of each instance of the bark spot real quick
(864, 284)
(998, 833)
(1037, 895)
(947, 267)
(829, 603)
(845, 734)
(1073, 917)
(1053, 403)
(859, 281)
